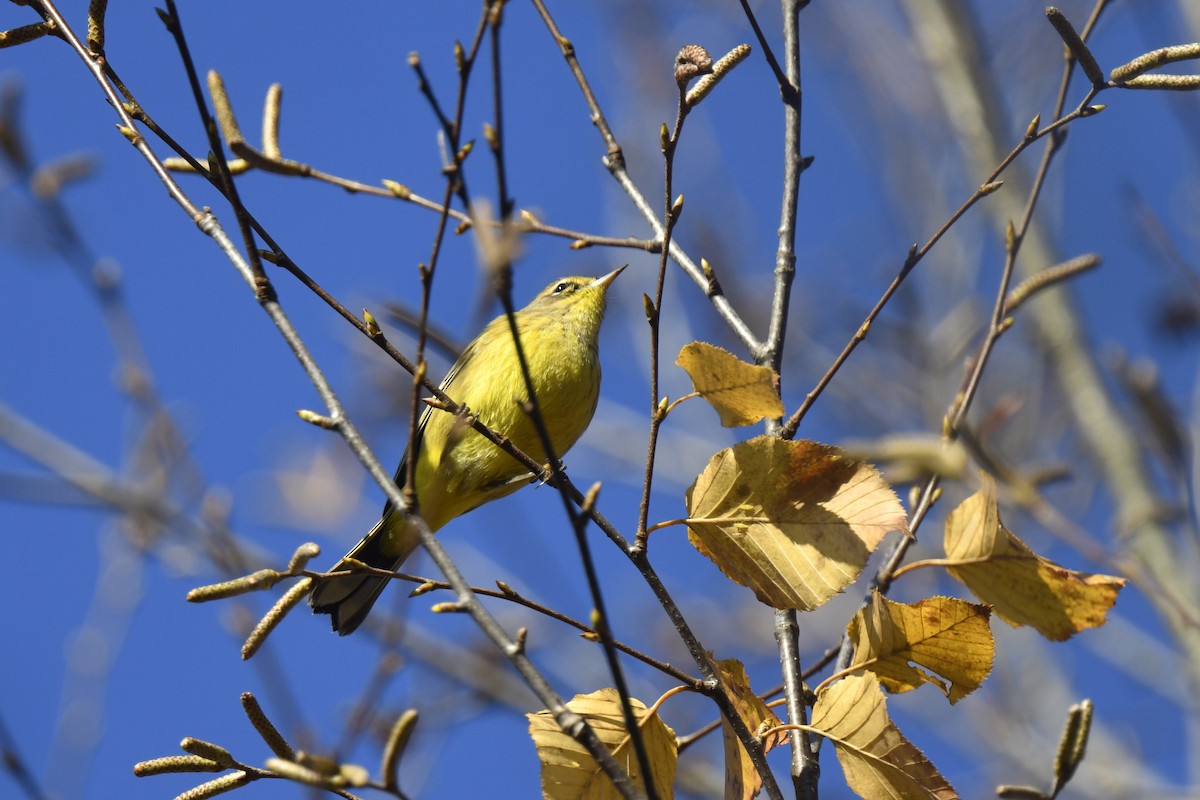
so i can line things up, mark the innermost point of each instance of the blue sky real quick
(108, 665)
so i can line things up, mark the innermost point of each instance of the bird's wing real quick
(445, 386)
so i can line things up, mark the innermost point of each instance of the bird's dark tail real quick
(348, 600)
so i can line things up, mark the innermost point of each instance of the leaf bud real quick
(1031, 131)
(373, 328)
(320, 420)
(648, 307)
(423, 588)
(397, 189)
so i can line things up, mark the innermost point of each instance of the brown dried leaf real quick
(879, 763)
(793, 521)
(742, 780)
(568, 770)
(1021, 586)
(741, 393)
(951, 637)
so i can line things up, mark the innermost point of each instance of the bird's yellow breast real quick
(457, 468)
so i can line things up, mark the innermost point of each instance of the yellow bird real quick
(457, 469)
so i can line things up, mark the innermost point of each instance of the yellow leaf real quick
(742, 780)
(1022, 587)
(568, 770)
(878, 762)
(948, 636)
(793, 521)
(741, 393)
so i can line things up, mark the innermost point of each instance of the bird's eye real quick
(562, 287)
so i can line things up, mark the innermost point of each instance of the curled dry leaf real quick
(948, 636)
(879, 763)
(1022, 587)
(742, 780)
(793, 521)
(743, 394)
(568, 770)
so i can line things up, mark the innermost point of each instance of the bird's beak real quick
(604, 280)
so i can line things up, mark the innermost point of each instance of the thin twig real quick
(614, 160)
(787, 84)
(654, 308)
(805, 768)
(507, 593)
(956, 413)
(489, 21)
(917, 253)
(494, 13)
(16, 767)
